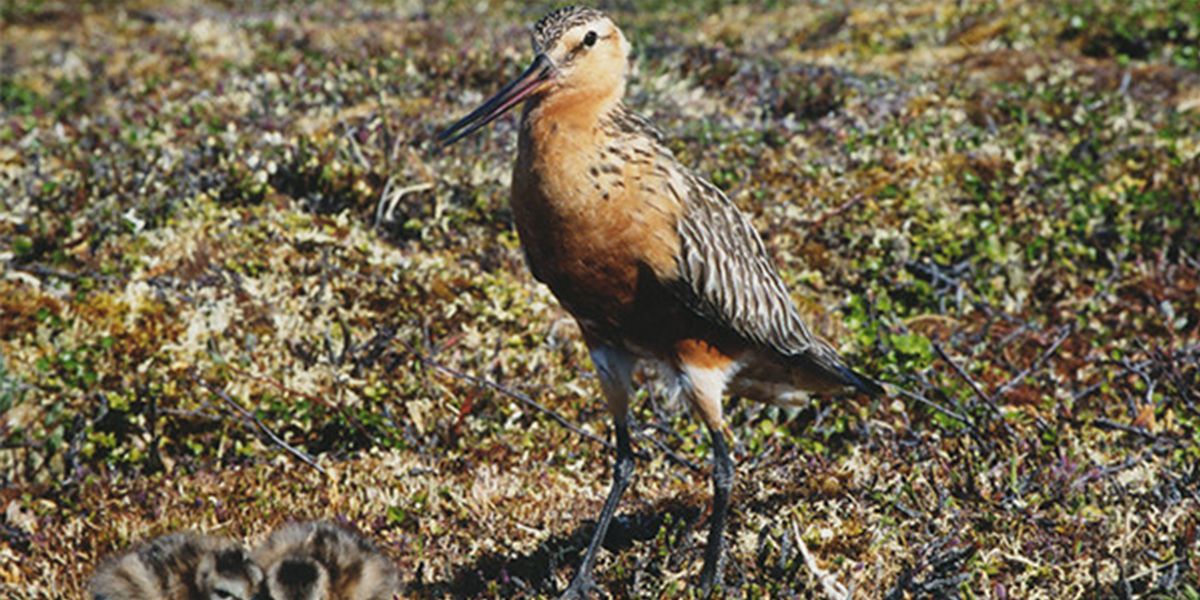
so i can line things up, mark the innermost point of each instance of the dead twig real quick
(197, 413)
(845, 206)
(1107, 424)
(391, 197)
(834, 590)
(1108, 470)
(80, 426)
(1037, 364)
(935, 406)
(311, 398)
(665, 449)
(266, 431)
(492, 385)
(987, 401)
(46, 272)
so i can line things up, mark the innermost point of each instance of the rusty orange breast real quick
(595, 226)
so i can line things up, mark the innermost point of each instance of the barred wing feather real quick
(727, 276)
(725, 273)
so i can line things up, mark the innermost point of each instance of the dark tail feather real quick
(861, 382)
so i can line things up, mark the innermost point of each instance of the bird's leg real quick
(622, 475)
(615, 368)
(723, 474)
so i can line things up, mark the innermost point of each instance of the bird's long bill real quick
(529, 82)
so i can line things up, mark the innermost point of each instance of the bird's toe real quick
(581, 588)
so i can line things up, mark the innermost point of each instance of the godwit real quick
(653, 261)
(179, 566)
(322, 561)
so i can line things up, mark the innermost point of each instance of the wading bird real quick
(180, 566)
(653, 261)
(317, 560)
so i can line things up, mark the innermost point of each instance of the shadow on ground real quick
(534, 572)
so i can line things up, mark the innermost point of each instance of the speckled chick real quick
(180, 566)
(318, 560)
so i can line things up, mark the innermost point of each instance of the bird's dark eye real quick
(589, 39)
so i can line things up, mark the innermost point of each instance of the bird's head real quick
(298, 578)
(581, 57)
(227, 573)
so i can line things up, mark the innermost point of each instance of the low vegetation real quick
(242, 285)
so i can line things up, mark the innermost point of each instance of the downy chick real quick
(180, 566)
(317, 560)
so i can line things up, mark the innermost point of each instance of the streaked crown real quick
(551, 27)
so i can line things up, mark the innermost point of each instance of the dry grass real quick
(208, 206)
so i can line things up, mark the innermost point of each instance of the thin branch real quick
(666, 450)
(1108, 470)
(266, 431)
(991, 404)
(391, 197)
(963, 374)
(311, 398)
(518, 396)
(834, 590)
(1107, 424)
(935, 406)
(1037, 364)
(845, 206)
(197, 413)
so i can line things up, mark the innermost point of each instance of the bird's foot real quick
(581, 588)
(711, 583)
(712, 590)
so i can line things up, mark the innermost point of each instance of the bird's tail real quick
(861, 382)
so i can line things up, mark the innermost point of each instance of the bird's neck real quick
(569, 117)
